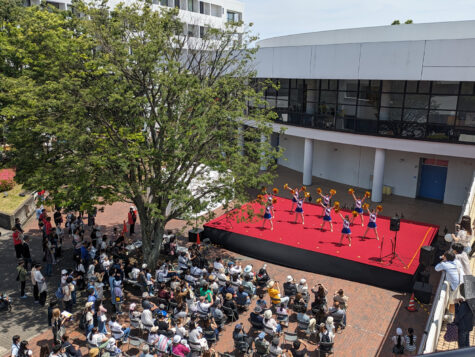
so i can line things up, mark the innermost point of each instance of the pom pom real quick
(264, 189)
(337, 204)
(337, 209)
(354, 213)
(286, 187)
(275, 191)
(351, 191)
(379, 208)
(260, 197)
(274, 200)
(332, 192)
(307, 194)
(319, 200)
(367, 194)
(303, 188)
(366, 206)
(319, 190)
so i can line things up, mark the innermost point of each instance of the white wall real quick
(353, 165)
(459, 179)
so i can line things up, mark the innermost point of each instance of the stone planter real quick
(23, 212)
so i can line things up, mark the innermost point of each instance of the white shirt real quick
(453, 272)
(97, 339)
(235, 269)
(116, 329)
(462, 258)
(218, 265)
(147, 317)
(38, 276)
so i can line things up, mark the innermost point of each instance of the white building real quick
(197, 15)
(381, 106)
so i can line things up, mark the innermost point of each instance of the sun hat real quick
(248, 269)
(399, 331)
(161, 306)
(302, 281)
(257, 309)
(211, 277)
(176, 339)
(329, 320)
(145, 295)
(154, 329)
(267, 314)
(229, 296)
(270, 284)
(289, 278)
(262, 335)
(89, 304)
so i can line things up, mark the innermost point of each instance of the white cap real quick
(302, 281)
(144, 266)
(399, 331)
(176, 339)
(64, 272)
(289, 278)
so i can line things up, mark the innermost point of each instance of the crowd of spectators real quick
(180, 307)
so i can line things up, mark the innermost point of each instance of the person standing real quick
(15, 345)
(58, 218)
(463, 319)
(41, 283)
(410, 342)
(17, 242)
(26, 252)
(22, 273)
(132, 218)
(36, 293)
(68, 289)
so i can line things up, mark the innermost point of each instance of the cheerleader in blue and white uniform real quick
(359, 204)
(326, 199)
(326, 216)
(295, 195)
(269, 213)
(373, 214)
(299, 208)
(346, 231)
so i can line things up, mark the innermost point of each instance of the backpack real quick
(82, 322)
(325, 338)
(59, 293)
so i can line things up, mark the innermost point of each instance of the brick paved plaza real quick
(373, 313)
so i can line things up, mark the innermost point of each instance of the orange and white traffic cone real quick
(198, 239)
(412, 304)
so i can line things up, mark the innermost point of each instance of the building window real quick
(234, 16)
(191, 6)
(164, 2)
(177, 4)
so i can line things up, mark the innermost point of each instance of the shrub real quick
(6, 185)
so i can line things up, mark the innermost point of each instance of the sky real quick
(283, 17)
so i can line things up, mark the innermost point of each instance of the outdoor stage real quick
(306, 247)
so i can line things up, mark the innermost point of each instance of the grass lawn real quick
(10, 203)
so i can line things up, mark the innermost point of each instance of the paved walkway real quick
(373, 316)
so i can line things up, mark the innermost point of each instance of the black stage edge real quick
(313, 262)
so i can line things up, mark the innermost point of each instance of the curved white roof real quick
(410, 32)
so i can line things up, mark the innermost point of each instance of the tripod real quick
(393, 255)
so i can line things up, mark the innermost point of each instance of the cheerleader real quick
(359, 204)
(326, 199)
(299, 208)
(373, 214)
(327, 214)
(346, 231)
(269, 213)
(295, 195)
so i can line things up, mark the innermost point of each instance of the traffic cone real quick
(198, 238)
(124, 229)
(412, 304)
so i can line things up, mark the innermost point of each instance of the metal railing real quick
(431, 334)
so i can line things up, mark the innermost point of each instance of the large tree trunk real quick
(152, 237)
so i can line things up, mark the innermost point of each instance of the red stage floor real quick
(411, 237)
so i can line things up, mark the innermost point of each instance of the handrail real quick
(430, 320)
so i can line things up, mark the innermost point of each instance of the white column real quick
(307, 162)
(263, 154)
(378, 175)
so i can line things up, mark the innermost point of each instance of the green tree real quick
(396, 22)
(119, 105)
(408, 22)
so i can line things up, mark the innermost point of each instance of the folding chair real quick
(229, 313)
(290, 337)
